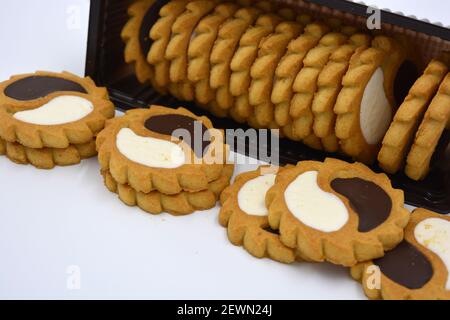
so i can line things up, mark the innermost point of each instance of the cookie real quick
(435, 122)
(242, 62)
(271, 50)
(52, 110)
(337, 212)
(200, 48)
(162, 149)
(160, 35)
(400, 134)
(305, 83)
(47, 158)
(328, 88)
(289, 67)
(177, 48)
(135, 34)
(179, 204)
(418, 268)
(244, 214)
(366, 102)
(223, 51)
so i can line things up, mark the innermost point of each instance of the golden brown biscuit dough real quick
(365, 235)
(400, 135)
(179, 204)
(434, 123)
(414, 261)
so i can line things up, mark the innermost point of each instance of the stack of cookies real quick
(344, 214)
(325, 84)
(164, 160)
(49, 119)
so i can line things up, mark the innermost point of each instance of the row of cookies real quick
(344, 214)
(330, 86)
(152, 159)
(49, 119)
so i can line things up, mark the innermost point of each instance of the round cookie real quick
(418, 268)
(135, 34)
(162, 149)
(328, 88)
(178, 45)
(244, 214)
(242, 62)
(52, 110)
(400, 134)
(223, 51)
(200, 48)
(305, 83)
(366, 102)
(337, 212)
(160, 34)
(179, 204)
(435, 122)
(271, 50)
(289, 67)
(47, 158)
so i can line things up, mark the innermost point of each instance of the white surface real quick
(64, 220)
(59, 110)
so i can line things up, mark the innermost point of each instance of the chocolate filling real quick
(167, 124)
(149, 19)
(270, 230)
(35, 87)
(370, 202)
(406, 77)
(406, 266)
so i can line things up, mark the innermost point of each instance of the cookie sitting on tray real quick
(49, 119)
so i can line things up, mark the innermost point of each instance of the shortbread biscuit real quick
(200, 48)
(366, 102)
(328, 88)
(47, 158)
(244, 214)
(135, 34)
(242, 62)
(223, 51)
(178, 45)
(337, 212)
(418, 269)
(305, 83)
(179, 204)
(435, 122)
(400, 135)
(147, 150)
(52, 110)
(289, 67)
(160, 34)
(272, 49)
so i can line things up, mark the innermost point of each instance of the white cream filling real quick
(60, 110)
(148, 151)
(376, 111)
(314, 207)
(252, 196)
(434, 234)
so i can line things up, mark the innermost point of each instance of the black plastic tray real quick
(105, 64)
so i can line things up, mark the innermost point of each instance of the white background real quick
(52, 220)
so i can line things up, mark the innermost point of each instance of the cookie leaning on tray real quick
(327, 85)
(49, 119)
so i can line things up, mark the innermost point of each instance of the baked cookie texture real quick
(418, 269)
(135, 34)
(143, 150)
(337, 212)
(435, 122)
(24, 93)
(244, 214)
(179, 204)
(400, 135)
